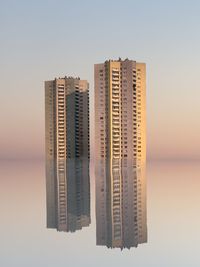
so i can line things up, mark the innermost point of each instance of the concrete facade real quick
(67, 118)
(67, 153)
(120, 110)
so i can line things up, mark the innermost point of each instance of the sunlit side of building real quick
(120, 110)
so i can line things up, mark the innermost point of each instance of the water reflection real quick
(120, 200)
(120, 204)
(68, 194)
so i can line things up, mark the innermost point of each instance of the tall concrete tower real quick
(66, 118)
(67, 153)
(120, 110)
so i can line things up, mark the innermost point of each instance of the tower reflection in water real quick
(68, 194)
(120, 204)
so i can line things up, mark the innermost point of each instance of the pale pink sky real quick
(35, 48)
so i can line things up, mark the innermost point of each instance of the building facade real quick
(67, 118)
(120, 110)
(67, 153)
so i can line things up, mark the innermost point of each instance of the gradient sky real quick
(41, 40)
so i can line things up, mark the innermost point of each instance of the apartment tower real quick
(121, 220)
(66, 118)
(67, 141)
(120, 110)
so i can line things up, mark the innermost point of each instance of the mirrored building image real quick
(121, 220)
(68, 194)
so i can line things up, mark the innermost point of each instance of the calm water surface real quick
(173, 221)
